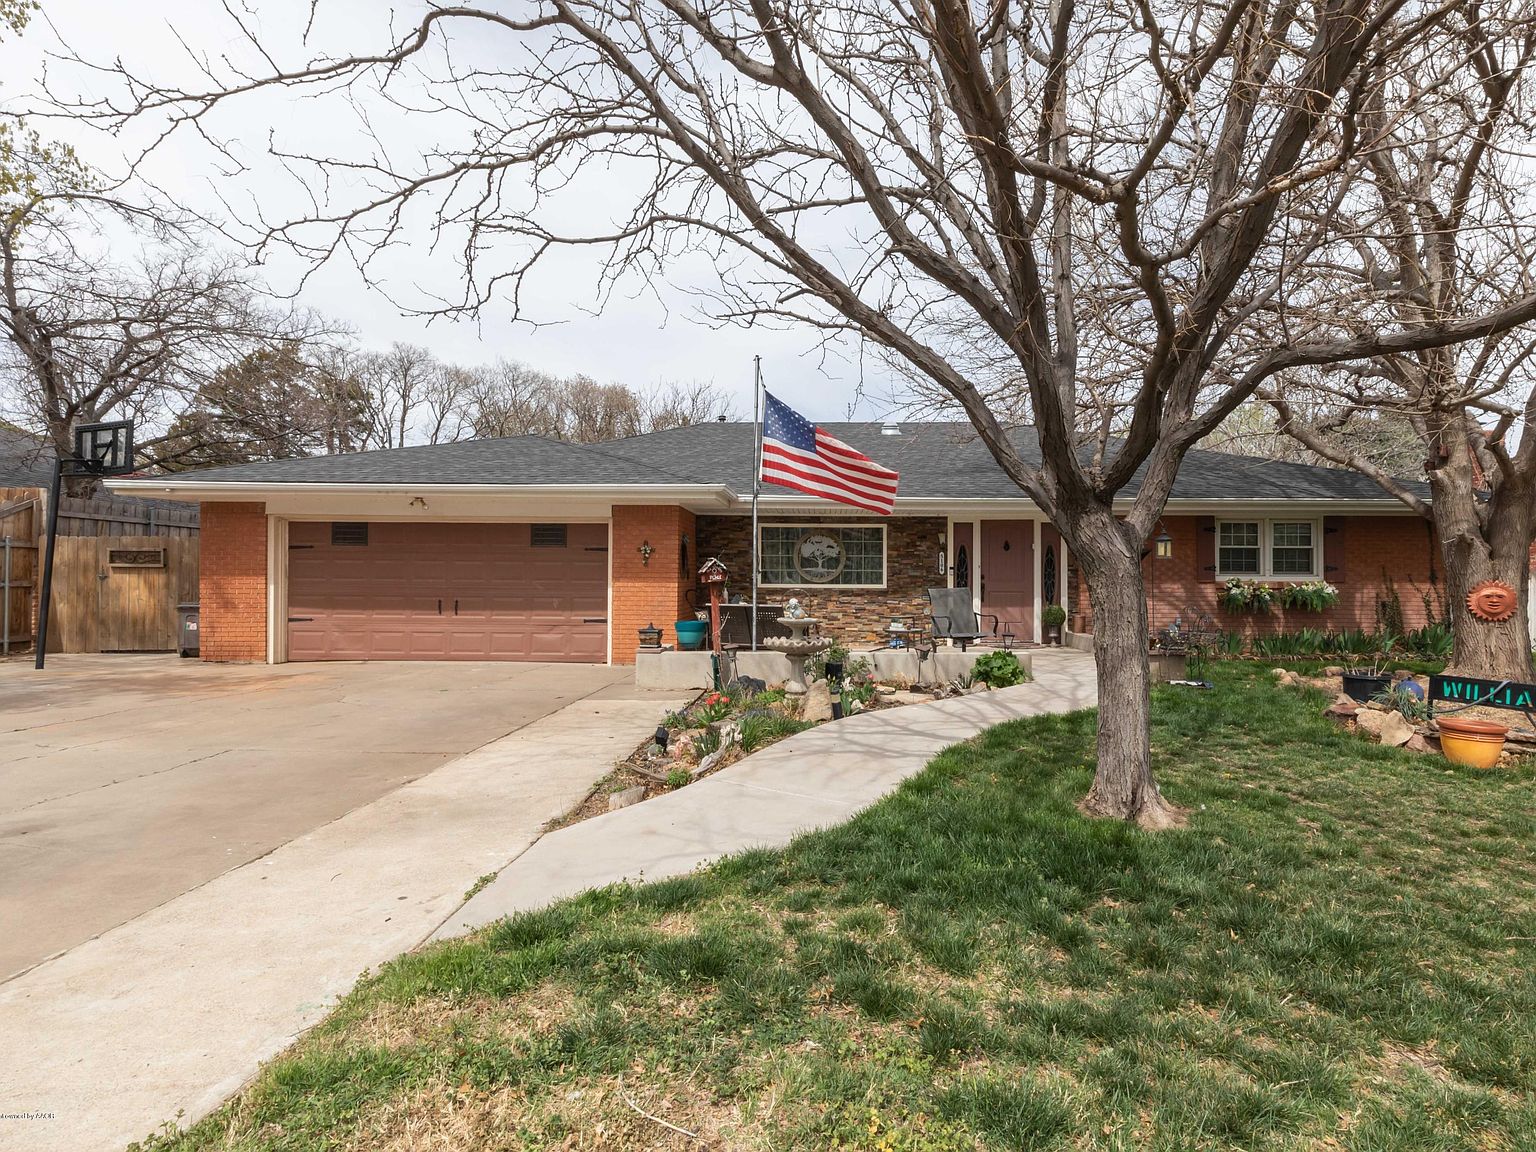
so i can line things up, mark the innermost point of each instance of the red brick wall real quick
(650, 593)
(1375, 549)
(233, 582)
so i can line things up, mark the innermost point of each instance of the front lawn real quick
(1336, 954)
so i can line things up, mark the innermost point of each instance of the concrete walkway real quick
(174, 1010)
(812, 780)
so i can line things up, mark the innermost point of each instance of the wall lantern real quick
(650, 636)
(1164, 543)
(645, 551)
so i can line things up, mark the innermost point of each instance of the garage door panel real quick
(380, 600)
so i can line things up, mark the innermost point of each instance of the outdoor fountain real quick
(797, 646)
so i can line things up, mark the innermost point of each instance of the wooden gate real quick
(119, 593)
(20, 516)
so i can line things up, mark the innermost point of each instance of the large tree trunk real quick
(1123, 787)
(1495, 545)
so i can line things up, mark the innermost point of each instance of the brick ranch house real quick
(532, 549)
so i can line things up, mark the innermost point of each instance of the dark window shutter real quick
(1205, 548)
(1333, 550)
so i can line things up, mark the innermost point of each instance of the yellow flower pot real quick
(1473, 743)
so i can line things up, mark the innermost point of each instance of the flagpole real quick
(757, 475)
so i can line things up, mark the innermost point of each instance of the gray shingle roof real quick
(936, 460)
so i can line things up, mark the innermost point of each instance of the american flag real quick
(799, 455)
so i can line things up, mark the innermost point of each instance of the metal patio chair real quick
(951, 617)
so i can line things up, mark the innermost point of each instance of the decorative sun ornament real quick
(1493, 601)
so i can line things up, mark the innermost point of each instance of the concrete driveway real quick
(126, 781)
(214, 853)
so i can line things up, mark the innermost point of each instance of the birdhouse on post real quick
(712, 574)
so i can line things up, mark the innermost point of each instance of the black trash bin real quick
(186, 630)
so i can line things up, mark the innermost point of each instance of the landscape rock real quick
(1371, 721)
(750, 685)
(1342, 707)
(1333, 670)
(1279, 673)
(885, 689)
(1418, 742)
(816, 704)
(975, 689)
(910, 698)
(1395, 730)
(855, 707)
(1400, 675)
(627, 797)
(709, 762)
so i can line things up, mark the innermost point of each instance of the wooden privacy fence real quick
(120, 571)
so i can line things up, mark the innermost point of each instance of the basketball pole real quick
(46, 598)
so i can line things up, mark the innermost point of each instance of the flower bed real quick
(721, 727)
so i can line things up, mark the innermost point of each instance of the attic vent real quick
(349, 534)
(547, 535)
(890, 428)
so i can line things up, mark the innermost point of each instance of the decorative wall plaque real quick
(136, 557)
(1493, 601)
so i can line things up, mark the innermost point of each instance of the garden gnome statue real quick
(793, 611)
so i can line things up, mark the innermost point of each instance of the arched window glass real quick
(1048, 575)
(962, 567)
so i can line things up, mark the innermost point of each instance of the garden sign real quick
(1469, 690)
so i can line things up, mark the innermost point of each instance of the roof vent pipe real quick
(890, 428)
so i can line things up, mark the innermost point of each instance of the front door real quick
(1008, 575)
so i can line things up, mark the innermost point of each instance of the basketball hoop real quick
(105, 449)
(100, 450)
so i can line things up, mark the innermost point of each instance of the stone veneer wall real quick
(853, 615)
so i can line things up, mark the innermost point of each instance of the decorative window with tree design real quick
(827, 555)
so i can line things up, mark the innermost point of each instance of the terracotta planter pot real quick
(1472, 743)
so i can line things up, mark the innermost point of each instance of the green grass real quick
(1336, 954)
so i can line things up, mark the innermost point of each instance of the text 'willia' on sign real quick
(1490, 693)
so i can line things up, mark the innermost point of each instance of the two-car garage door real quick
(394, 591)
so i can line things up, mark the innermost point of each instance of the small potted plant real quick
(1053, 617)
(1366, 682)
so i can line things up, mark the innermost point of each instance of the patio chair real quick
(951, 617)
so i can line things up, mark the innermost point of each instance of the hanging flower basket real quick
(1238, 596)
(1309, 596)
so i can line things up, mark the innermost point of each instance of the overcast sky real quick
(641, 338)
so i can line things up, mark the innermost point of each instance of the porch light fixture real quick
(645, 551)
(1164, 544)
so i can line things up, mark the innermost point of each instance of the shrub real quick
(759, 728)
(1431, 642)
(1405, 700)
(678, 777)
(998, 670)
(1053, 616)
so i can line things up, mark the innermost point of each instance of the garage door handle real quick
(301, 619)
(455, 607)
(439, 606)
(594, 619)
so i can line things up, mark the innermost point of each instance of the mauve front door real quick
(1008, 575)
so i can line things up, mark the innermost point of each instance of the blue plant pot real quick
(690, 634)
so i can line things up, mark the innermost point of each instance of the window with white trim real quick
(822, 555)
(1283, 549)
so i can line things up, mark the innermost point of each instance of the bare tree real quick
(1083, 204)
(88, 339)
(1439, 235)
